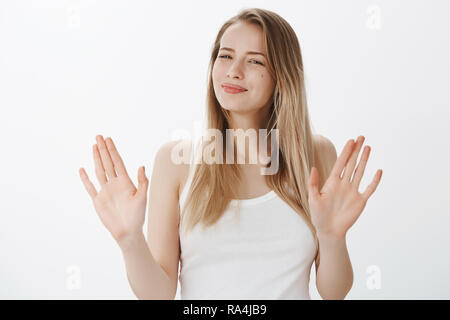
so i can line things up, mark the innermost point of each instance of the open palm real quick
(336, 207)
(119, 204)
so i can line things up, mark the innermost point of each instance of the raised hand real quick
(336, 207)
(120, 206)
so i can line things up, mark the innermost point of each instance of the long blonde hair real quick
(213, 185)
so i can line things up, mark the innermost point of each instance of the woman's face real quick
(239, 67)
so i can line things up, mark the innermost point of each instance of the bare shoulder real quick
(174, 155)
(325, 149)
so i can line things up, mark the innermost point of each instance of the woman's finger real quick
(99, 169)
(106, 158)
(350, 167)
(361, 167)
(373, 186)
(116, 158)
(142, 182)
(87, 183)
(342, 159)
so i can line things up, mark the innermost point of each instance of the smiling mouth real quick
(233, 90)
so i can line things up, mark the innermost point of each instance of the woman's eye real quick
(257, 62)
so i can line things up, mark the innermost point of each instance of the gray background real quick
(136, 71)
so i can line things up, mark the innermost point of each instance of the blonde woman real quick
(239, 234)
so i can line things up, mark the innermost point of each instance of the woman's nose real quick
(235, 70)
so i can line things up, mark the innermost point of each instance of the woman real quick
(286, 220)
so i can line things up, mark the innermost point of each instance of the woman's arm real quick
(334, 209)
(121, 208)
(147, 279)
(152, 264)
(334, 275)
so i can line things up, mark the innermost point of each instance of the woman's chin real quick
(236, 109)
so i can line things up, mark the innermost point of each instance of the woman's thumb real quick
(142, 181)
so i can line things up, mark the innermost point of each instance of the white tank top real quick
(264, 252)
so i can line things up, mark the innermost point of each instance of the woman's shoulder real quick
(324, 148)
(175, 156)
(325, 155)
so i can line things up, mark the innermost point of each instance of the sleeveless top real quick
(264, 251)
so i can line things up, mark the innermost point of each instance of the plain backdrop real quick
(137, 71)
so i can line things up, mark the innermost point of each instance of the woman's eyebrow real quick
(248, 52)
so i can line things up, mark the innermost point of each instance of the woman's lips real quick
(232, 90)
